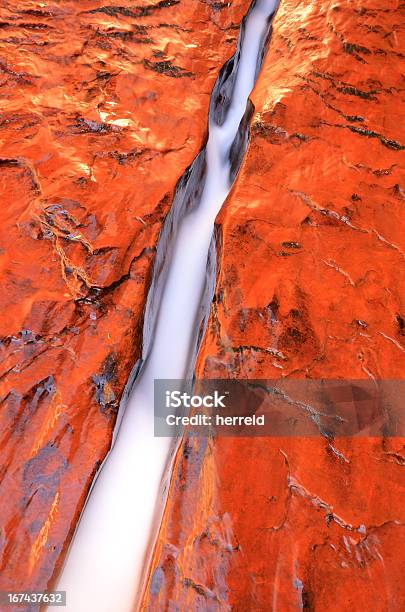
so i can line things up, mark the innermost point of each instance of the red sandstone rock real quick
(105, 104)
(310, 284)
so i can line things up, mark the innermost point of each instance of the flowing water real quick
(107, 556)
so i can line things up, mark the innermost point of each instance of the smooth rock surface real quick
(104, 107)
(310, 284)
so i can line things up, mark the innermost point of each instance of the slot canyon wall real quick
(104, 106)
(310, 285)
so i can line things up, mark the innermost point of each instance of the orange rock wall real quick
(104, 105)
(310, 284)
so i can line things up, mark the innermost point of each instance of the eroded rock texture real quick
(310, 284)
(104, 106)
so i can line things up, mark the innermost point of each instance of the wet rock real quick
(97, 128)
(310, 277)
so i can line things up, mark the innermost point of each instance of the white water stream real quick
(105, 563)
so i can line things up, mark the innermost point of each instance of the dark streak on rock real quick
(200, 589)
(127, 35)
(35, 26)
(387, 142)
(21, 163)
(147, 10)
(36, 12)
(173, 26)
(167, 68)
(22, 408)
(95, 293)
(401, 324)
(291, 245)
(307, 598)
(105, 395)
(157, 580)
(20, 77)
(390, 144)
(9, 163)
(137, 11)
(42, 473)
(353, 91)
(88, 126)
(353, 118)
(354, 50)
